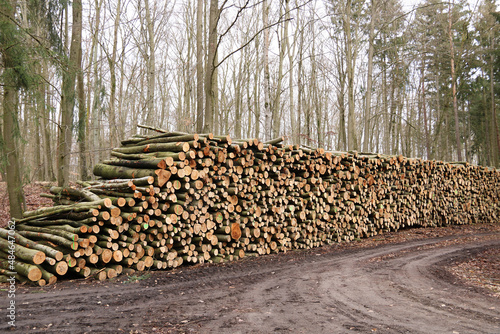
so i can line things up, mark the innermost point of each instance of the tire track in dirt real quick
(393, 288)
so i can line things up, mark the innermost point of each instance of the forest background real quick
(419, 79)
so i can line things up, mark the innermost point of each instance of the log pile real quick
(169, 199)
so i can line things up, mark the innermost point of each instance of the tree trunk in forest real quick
(151, 66)
(49, 167)
(199, 66)
(256, 90)
(38, 135)
(307, 115)
(291, 53)
(237, 96)
(276, 105)
(392, 113)
(300, 86)
(13, 171)
(369, 79)
(342, 142)
(93, 86)
(40, 114)
(385, 106)
(210, 67)
(267, 76)
(82, 122)
(10, 119)
(248, 133)
(454, 84)
(217, 118)
(68, 96)
(424, 110)
(113, 127)
(352, 141)
(495, 135)
(315, 101)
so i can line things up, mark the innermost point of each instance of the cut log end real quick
(235, 231)
(34, 274)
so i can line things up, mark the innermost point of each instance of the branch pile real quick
(174, 198)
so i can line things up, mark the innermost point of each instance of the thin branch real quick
(240, 10)
(280, 20)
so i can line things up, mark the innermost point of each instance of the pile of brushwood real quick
(171, 198)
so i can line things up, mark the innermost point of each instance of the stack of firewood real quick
(174, 198)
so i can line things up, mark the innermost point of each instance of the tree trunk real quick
(256, 90)
(291, 53)
(10, 119)
(113, 128)
(300, 86)
(424, 110)
(238, 99)
(49, 167)
(276, 106)
(13, 171)
(199, 66)
(352, 141)
(150, 66)
(68, 96)
(454, 84)
(82, 121)
(210, 67)
(495, 135)
(369, 79)
(92, 85)
(267, 76)
(342, 140)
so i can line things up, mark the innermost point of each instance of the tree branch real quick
(280, 20)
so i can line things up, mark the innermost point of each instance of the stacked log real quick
(169, 199)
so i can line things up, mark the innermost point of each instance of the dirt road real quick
(382, 287)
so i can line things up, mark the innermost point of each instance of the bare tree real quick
(210, 67)
(267, 75)
(68, 95)
(369, 76)
(454, 83)
(199, 66)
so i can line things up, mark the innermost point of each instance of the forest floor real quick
(32, 195)
(440, 280)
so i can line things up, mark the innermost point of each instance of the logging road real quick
(379, 285)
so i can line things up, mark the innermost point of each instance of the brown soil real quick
(480, 269)
(434, 280)
(32, 195)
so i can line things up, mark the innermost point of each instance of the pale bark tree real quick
(424, 110)
(458, 141)
(199, 66)
(68, 96)
(267, 75)
(352, 138)
(256, 90)
(369, 76)
(210, 68)
(276, 101)
(237, 83)
(93, 87)
(341, 92)
(495, 133)
(291, 54)
(150, 65)
(82, 121)
(113, 126)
